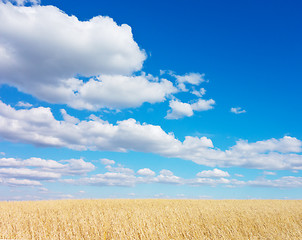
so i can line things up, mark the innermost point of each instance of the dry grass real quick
(151, 219)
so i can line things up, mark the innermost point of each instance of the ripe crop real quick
(151, 219)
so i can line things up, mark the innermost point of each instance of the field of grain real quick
(151, 219)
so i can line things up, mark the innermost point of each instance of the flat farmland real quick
(151, 219)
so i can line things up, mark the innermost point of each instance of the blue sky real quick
(161, 99)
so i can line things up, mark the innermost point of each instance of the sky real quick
(150, 99)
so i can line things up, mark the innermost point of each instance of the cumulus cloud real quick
(199, 93)
(166, 176)
(117, 91)
(189, 78)
(283, 182)
(106, 179)
(39, 127)
(269, 173)
(23, 2)
(68, 118)
(29, 172)
(207, 178)
(19, 182)
(119, 169)
(106, 161)
(209, 181)
(215, 173)
(145, 172)
(41, 169)
(85, 64)
(24, 104)
(238, 110)
(180, 109)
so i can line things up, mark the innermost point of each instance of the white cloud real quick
(106, 161)
(188, 78)
(284, 182)
(269, 173)
(43, 51)
(215, 173)
(68, 118)
(19, 182)
(120, 169)
(166, 176)
(37, 168)
(199, 93)
(23, 2)
(24, 104)
(191, 78)
(284, 145)
(127, 178)
(203, 105)
(117, 91)
(209, 181)
(238, 175)
(29, 172)
(39, 127)
(180, 109)
(26, 173)
(238, 110)
(106, 179)
(145, 172)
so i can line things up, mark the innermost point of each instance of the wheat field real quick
(151, 219)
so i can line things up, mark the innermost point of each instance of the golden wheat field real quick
(151, 219)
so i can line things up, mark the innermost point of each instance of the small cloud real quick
(189, 78)
(106, 161)
(162, 72)
(199, 93)
(2, 153)
(145, 172)
(23, 2)
(216, 173)
(238, 110)
(180, 109)
(24, 104)
(269, 173)
(238, 175)
(120, 169)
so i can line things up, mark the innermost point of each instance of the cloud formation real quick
(237, 110)
(39, 127)
(84, 64)
(29, 172)
(106, 161)
(23, 2)
(180, 109)
(186, 79)
(24, 104)
(215, 173)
